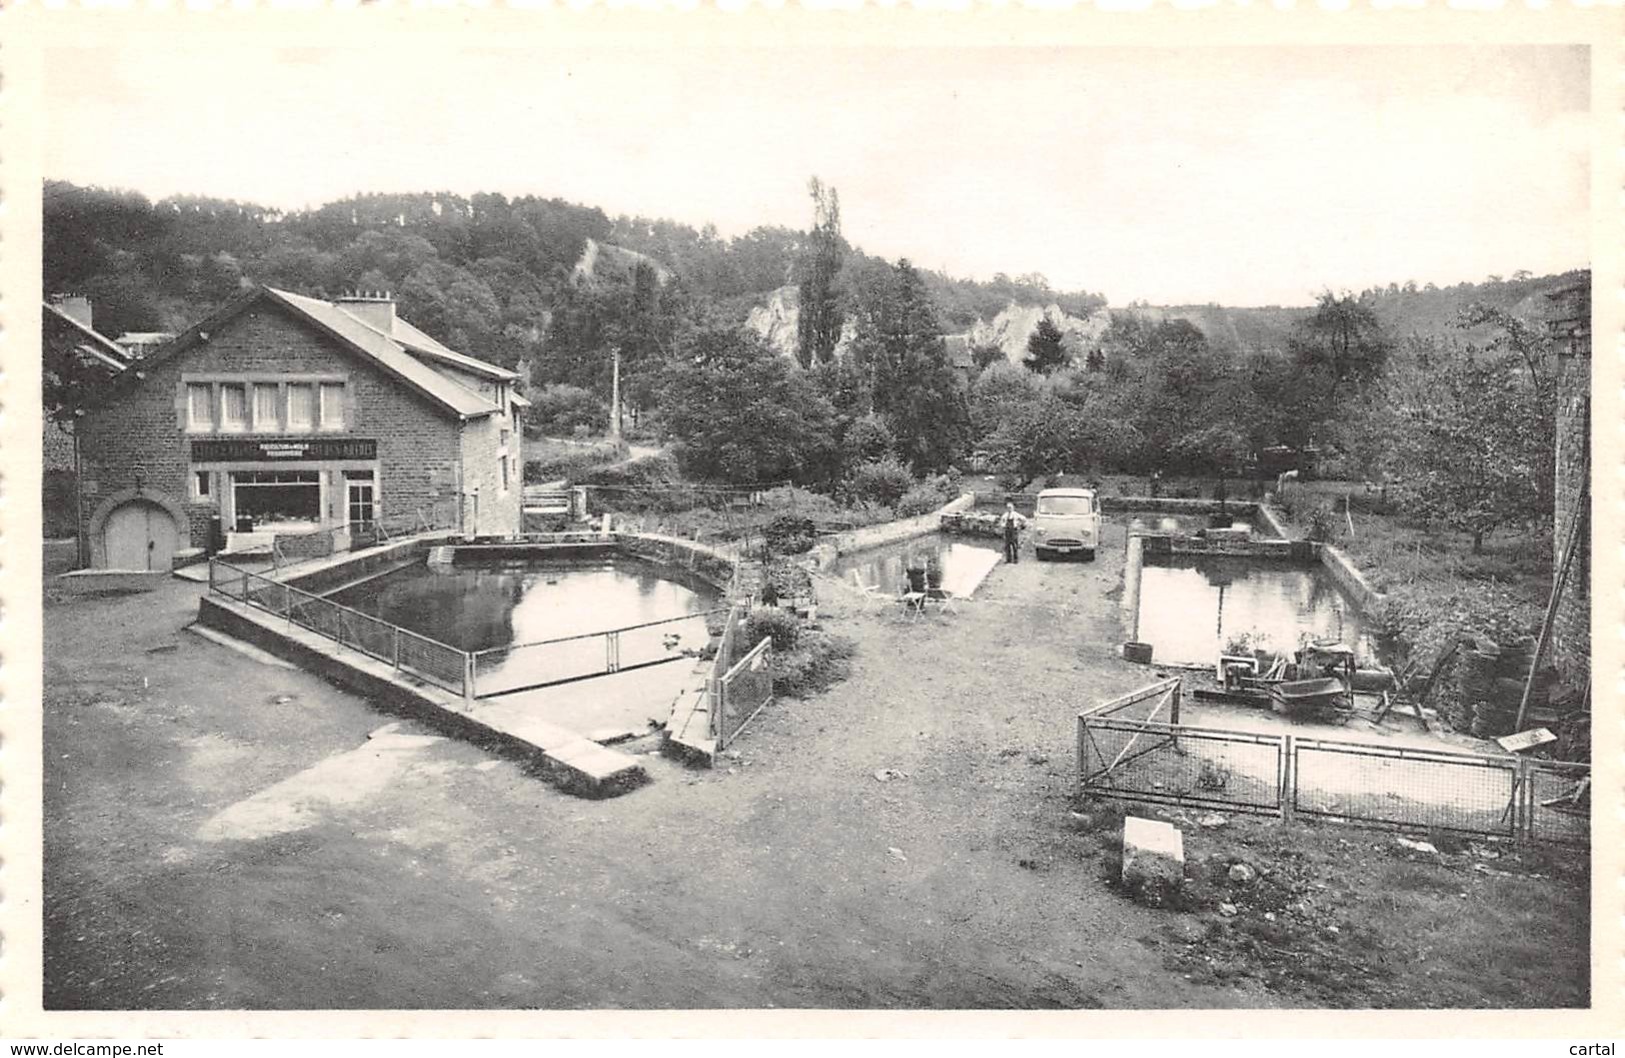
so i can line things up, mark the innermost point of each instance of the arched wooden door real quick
(139, 535)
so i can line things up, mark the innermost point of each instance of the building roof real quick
(423, 345)
(389, 354)
(88, 343)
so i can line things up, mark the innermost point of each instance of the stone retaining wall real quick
(1350, 579)
(825, 553)
(710, 564)
(1170, 505)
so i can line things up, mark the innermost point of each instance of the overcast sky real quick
(1235, 175)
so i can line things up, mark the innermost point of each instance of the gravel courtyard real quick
(221, 833)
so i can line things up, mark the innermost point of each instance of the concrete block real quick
(1153, 859)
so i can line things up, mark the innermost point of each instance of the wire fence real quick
(1397, 786)
(1556, 801)
(1123, 756)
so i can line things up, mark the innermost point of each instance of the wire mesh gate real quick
(742, 692)
(1177, 764)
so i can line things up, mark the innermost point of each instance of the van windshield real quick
(1066, 505)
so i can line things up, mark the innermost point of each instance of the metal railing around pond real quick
(529, 666)
(406, 651)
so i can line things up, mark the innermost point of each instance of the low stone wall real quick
(1273, 522)
(825, 553)
(90, 581)
(398, 695)
(1169, 505)
(1350, 579)
(710, 564)
(1289, 550)
(352, 567)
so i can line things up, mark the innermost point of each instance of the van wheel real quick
(1040, 554)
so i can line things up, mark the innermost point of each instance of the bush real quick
(819, 660)
(1322, 524)
(770, 622)
(565, 409)
(883, 481)
(921, 499)
(553, 460)
(648, 484)
(790, 534)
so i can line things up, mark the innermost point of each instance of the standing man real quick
(1011, 523)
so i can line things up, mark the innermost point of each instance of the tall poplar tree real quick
(819, 324)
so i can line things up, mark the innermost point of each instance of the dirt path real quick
(201, 854)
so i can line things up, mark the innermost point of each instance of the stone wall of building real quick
(483, 442)
(139, 432)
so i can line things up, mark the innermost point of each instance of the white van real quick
(1066, 521)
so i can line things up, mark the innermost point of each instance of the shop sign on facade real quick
(316, 448)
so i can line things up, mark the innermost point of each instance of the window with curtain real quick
(267, 409)
(233, 407)
(200, 406)
(332, 405)
(301, 406)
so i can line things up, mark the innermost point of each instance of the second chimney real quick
(376, 310)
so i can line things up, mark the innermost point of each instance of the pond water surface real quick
(1191, 608)
(965, 561)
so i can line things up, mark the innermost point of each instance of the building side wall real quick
(138, 432)
(498, 509)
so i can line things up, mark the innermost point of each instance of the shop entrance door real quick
(360, 509)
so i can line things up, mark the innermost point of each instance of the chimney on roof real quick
(374, 308)
(74, 306)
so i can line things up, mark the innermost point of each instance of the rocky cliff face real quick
(1011, 328)
(779, 322)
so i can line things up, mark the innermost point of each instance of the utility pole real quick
(615, 398)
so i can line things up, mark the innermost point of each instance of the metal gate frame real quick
(1164, 735)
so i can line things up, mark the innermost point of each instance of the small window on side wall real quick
(332, 409)
(202, 485)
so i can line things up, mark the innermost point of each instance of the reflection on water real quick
(475, 608)
(1190, 609)
(964, 562)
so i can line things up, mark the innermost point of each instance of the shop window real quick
(234, 407)
(272, 497)
(199, 407)
(267, 409)
(301, 406)
(332, 409)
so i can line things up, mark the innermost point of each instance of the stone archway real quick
(178, 532)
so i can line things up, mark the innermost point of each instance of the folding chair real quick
(947, 598)
(914, 602)
(868, 592)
